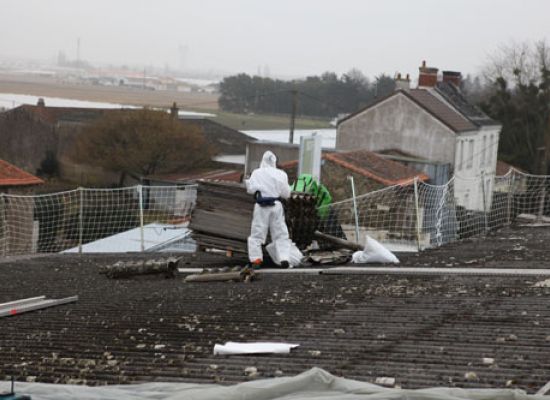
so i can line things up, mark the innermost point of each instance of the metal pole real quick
(4, 227)
(350, 177)
(39, 304)
(293, 115)
(80, 220)
(484, 201)
(142, 240)
(417, 211)
(510, 197)
(542, 199)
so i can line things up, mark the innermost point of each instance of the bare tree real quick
(520, 100)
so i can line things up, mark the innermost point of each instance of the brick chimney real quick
(402, 83)
(41, 102)
(427, 76)
(452, 77)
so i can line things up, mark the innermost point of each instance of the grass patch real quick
(263, 121)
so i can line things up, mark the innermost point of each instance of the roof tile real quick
(441, 111)
(10, 175)
(371, 165)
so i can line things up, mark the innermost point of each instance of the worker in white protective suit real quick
(268, 185)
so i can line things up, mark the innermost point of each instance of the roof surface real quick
(459, 116)
(229, 175)
(374, 166)
(422, 330)
(440, 110)
(454, 96)
(370, 165)
(10, 175)
(52, 115)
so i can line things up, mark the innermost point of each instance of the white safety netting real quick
(75, 219)
(416, 215)
(407, 217)
(314, 384)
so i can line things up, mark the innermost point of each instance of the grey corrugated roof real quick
(453, 95)
(441, 111)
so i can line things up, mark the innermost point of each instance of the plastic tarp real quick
(314, 384)
(295, 255)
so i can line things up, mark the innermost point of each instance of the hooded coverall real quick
(271, 183)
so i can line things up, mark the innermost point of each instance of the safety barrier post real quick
(510, 197)
(542, 200)
(354, 208)
(417, 213)
(80, 219)
(484, 202)
(3, 227)
(141, 236)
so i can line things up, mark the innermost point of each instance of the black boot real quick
(285, 264)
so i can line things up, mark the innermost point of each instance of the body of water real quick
(281, 135)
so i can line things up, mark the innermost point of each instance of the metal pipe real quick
(80, 220)
(350, 177)
(141, 235)
(417, 211)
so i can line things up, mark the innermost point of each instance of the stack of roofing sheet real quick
(222, 216)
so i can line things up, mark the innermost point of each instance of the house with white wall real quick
(432, 122)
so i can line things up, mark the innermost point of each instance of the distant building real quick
(433, 122)
(370, 171)
(18, 231)
(14, 179)
(30, 134)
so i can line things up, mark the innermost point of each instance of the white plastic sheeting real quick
(253, 348)
(295, 256)
(154, 235)
(374, 252)
(314, 384)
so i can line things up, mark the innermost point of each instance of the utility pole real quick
(78, 52)
(144, 77)
(293, 115)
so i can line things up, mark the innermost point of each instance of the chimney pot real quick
(402, 83)
(453, 77)
(427, 76)
(41, 102)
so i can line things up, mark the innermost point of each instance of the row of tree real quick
(515, 90)
(324, 96)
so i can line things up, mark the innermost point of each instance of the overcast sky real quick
(290, 37)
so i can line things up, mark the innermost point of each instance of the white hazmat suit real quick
(271, 183)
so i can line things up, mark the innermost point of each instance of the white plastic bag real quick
(253, 348)
(295, 255)
(374, 252)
